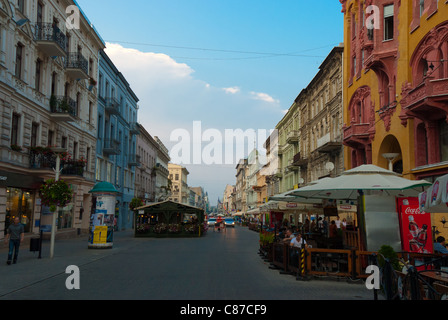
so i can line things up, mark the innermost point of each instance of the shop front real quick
(18, 199)
(20, 203)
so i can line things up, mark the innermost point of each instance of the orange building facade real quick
(396, 86)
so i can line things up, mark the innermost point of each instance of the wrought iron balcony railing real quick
(48, 35)
(76, 63)
(61, 105)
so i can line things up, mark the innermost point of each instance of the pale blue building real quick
(117, 137)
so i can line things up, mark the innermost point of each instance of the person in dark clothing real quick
(14, 235)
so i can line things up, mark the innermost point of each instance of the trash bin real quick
(34, 244)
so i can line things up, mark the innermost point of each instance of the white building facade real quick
(48, 98)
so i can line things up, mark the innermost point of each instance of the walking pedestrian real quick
(14, 235)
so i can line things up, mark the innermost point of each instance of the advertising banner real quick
(102, 222)
(415, 226)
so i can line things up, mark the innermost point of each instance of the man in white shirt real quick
(298, 241)
(338, 223)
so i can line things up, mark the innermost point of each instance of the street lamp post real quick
(58, 152)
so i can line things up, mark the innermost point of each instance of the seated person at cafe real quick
(439, 246)
(288, 236)
(298, 241)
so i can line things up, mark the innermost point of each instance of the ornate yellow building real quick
(395, 85)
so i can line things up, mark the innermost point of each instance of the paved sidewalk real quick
(30, 270)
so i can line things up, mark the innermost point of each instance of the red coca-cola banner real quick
(416, 234)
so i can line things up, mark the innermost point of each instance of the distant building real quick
(163, 183)
(145, 180)
(179, 187)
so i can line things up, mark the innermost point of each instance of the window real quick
(21, 5)
(40, 10)
(100, 126)
(53, 83)
(98, 169)
(50, 138)
(100, 85)
(109, 172)
(88, 159)
(117, 177)
(19, 60)
(91, 68)
(15, 129)
(67, 42)
(422, 7)
(78, 104)
(64, 142)
(389, 22)
(177, 177)
(34, 134)
(89, 120)
(75, 150)
(38, 75)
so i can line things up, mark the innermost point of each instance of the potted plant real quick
(17, 148)
(64, 106)
(55, 194)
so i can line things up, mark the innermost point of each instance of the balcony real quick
(50, 39)
(293, 137)
(357, 134)
(111, 147)
(134, 160)
(76, 66)
(44, 159)
(134, 128)
(281, 149)
(300, 161)
(112, 106)
(293, 166)
(326, 145)
(63, 109)
(428, 100)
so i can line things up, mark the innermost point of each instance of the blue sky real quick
(229, 64)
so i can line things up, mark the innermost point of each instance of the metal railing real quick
(76, 60)
(49, 32)
(63, 105)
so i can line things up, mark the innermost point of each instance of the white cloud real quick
(161, 66)
(263, 97)
(232, 90)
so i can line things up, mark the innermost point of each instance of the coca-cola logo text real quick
(410, 210)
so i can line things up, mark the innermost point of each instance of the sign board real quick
(416, 231)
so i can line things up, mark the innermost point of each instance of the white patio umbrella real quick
(285, 197)
(363, 178)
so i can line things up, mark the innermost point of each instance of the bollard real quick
(301, 274)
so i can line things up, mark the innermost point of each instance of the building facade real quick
(395, 90)
(240, 186)
(309, 135)
(145, 173)
(179, 187)
(116, 147)
(163, 183)
(253, 167)
(228, 202)
(48, 99)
